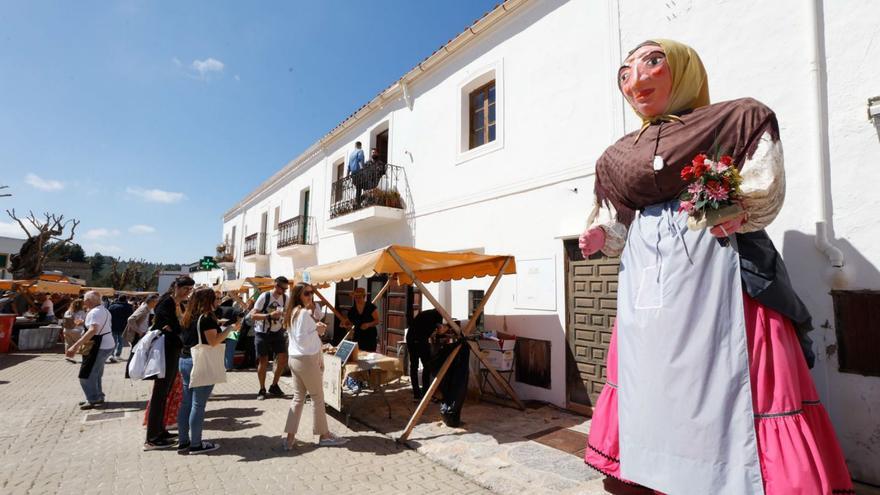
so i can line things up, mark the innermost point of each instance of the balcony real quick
(225, 254)
(367, 198)
(255, 246)
(296, 235)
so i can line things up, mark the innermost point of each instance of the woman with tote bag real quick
(201, 366)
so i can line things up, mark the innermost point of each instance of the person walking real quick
(269, 329)
(364, 316)
(306, 366)
(73, 324)
(167, 320)
(98, 332)
(120, 310)
(200, 326)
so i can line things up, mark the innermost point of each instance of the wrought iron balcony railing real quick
(298, 231)
(255, 244)
(374, 185)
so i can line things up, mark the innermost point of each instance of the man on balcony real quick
(355, 166)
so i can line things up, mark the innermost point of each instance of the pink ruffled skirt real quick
(797, 446)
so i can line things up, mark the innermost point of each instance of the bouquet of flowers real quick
(713, 194)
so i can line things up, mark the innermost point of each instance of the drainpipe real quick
(825, 223)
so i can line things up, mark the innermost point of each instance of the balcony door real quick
(382, 145)
(261, 239)
(305, 216)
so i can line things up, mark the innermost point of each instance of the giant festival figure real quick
(708, 387)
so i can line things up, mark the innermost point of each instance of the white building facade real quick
(511, 172)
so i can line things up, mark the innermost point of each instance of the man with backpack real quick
(269, 330)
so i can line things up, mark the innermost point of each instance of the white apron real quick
(686, 419)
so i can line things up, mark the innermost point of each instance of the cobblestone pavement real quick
(47, 445)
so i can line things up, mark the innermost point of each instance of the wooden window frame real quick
(486, 123)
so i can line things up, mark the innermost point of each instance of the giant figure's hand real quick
(728, 228)
(591, 241)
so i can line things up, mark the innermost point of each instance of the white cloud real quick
(43, 184)
(142, 229)
(100, 233)
(207, 66)
(11, 229)
(105, 248)
(156, 195)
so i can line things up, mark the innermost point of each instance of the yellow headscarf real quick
(690, 84)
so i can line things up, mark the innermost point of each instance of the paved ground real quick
(47, 445)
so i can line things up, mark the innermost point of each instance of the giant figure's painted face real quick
(646, 81)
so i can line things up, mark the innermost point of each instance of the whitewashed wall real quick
(555, 63)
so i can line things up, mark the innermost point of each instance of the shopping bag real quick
(208, 366)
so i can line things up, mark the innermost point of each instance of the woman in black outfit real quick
(168, 314)
(364, 316)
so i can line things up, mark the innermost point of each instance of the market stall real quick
(409, 265)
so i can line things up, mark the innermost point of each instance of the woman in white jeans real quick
(306, 366)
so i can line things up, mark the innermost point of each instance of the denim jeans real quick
(120, 343)
(192, 406)
(229, 359)
(91, 386)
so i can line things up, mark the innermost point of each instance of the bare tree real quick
(28, 263)
(5, 195)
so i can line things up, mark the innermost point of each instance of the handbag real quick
(208, 366)
(86, 348)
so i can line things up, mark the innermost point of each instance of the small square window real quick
(482, 115)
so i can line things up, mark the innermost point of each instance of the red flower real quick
(699, 168)
(699, 159)
(726, 160)
(687, 173)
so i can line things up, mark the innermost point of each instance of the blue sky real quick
(147, 120)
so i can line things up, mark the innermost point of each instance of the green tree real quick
(98, 261)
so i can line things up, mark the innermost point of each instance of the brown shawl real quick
(625, 175)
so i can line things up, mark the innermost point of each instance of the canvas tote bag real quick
(208, 365)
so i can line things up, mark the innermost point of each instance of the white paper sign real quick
(333, 381)
(536, 284)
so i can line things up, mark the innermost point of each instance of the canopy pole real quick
(327, 303)
(426, 399)
(473, 345)
(383, 291)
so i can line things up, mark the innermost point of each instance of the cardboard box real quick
(500, 360)
(504, 343)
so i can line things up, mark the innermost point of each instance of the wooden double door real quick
(396, 310)
(591, 306)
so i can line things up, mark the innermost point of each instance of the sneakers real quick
(204, 447)
(158, 445)
(332, 441)
(261, 395)
(112, 359)
(276, 390)
(183, 448)
(86, 405)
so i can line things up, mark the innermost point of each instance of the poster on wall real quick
(536, 284)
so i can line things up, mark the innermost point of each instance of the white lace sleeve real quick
(615, 232)
(763, 184)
